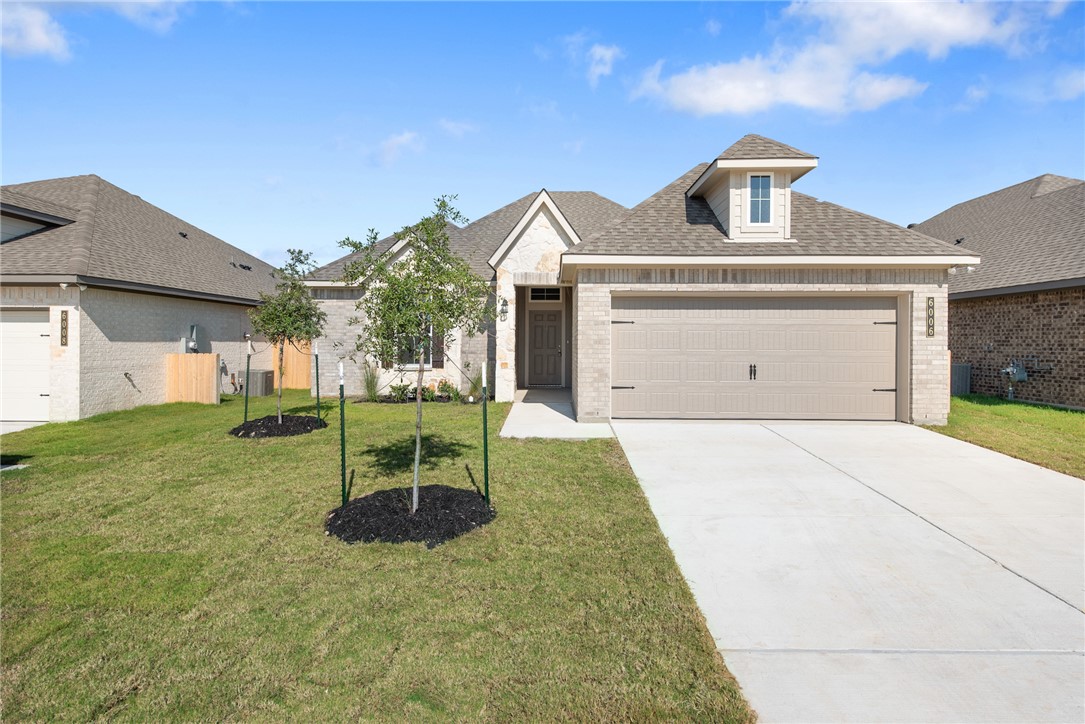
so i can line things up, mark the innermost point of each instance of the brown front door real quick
(544, 351)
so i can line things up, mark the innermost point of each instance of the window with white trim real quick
(760, 199)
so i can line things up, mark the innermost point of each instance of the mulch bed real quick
(443, 513)
(269, 426)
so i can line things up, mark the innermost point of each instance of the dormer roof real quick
(751, 146)
(754, 153)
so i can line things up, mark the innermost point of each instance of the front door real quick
(544, 352)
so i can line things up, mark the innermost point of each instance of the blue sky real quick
(276, 124)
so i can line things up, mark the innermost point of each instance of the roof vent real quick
(183, 234)
(246, 267)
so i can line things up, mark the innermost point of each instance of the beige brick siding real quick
(339, 343)
(924, 401)
(125, 332)
(113, 332)
(1043, 330)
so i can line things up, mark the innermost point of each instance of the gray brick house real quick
(97, 286)
(726, 294)
(1026, 303)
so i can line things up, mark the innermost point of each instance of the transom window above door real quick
(546, 294)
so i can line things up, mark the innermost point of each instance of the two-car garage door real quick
(830, 358)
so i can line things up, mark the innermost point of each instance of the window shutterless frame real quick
(759, 203)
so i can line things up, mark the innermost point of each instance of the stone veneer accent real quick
(113, 332)
(927, 400)
(534, 256)
(1043, 330)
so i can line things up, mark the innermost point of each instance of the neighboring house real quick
(724, 295)
(1026, 303)
(97, 286)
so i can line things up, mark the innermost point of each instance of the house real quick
(726, 294)
(97, 287)
(1026, 304)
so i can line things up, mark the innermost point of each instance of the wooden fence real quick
(296, 364)
(192, 378)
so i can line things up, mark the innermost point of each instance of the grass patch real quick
(1048, 436)
(156, 568)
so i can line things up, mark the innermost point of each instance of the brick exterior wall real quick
(924, 388)
(113, 332)
(339, 343)
(1043, 330)
(128, 332)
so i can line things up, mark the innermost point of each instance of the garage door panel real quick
(816, 358)
(24, 358)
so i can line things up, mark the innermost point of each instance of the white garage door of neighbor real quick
(24, 364)
(827, 358)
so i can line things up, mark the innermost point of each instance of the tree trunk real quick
(282, 371)
(418, 426)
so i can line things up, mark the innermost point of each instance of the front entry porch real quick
(548, 413)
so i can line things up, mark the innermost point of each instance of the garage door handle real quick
(43, 394)
(622, 387)
(43, 335)
(753, 372)
(884, 389)
(621, 321)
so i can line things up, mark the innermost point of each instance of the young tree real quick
(426, 294)
(291, 315)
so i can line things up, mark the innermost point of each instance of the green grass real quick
(1047, 436)
(155, 568)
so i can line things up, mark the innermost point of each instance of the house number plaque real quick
(64, 328)
(930, 316)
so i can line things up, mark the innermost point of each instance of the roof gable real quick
(542, 201)
(751, 146)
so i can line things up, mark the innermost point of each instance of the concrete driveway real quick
(875, 571)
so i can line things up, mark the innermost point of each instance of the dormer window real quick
(760, 198)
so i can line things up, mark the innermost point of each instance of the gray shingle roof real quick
(752, 146)
(586, 211)
(117, 236)
(669, 223)
(1030, 233)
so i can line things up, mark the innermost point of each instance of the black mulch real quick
(269, 426)
(443, 513)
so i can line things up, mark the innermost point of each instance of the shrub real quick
(429, 394)
(475, 385)
(449, 390)
(371, 375)
(400, 393)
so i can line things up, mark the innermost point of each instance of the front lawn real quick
(155, 568)
(1047, 436)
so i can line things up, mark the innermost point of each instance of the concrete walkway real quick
(549, 413)
(875, 571)
(7, 426)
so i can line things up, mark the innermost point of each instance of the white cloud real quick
(156, 15)
(33, 29)
(601, 61)
(1068, 85)
(456, 128)
(713, 27)
(30, 30)
(392, 147)
(834, 70)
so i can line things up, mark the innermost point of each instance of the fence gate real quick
(192, 378)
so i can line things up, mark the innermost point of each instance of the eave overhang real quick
(799, 167)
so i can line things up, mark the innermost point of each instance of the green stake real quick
(248, 359)
(485, 439)
(316, 356)
(342, 436)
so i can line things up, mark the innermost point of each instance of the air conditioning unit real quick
(261, 382)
